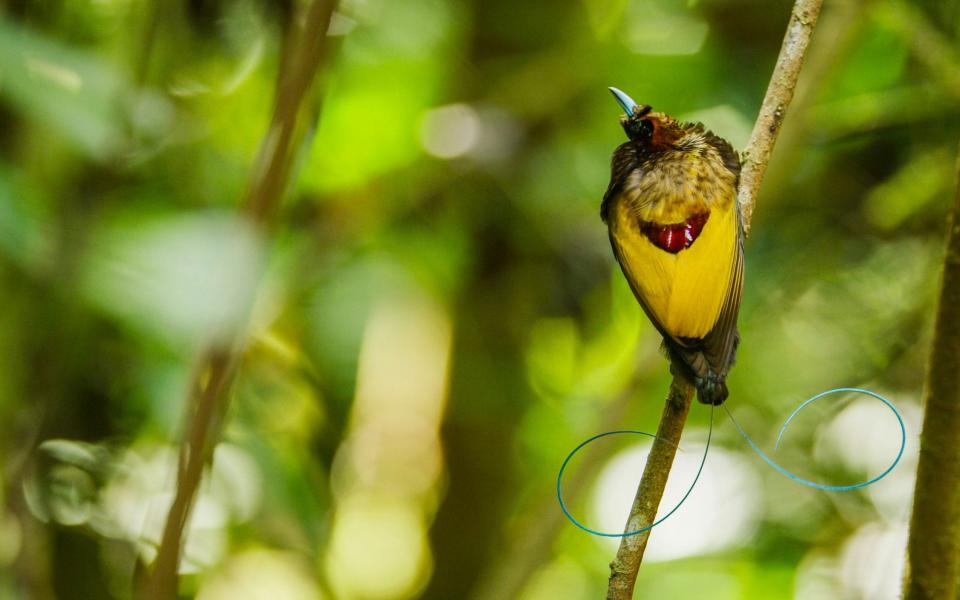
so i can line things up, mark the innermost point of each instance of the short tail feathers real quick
(711, 385)
(711, 392)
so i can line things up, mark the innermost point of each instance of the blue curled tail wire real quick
(566, 461)
(753, 446)
(814, 484)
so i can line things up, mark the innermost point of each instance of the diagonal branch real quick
(210, 391)
(783, 82)
(933, 551)
(624, 568)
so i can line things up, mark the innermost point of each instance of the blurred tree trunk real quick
(933, 551)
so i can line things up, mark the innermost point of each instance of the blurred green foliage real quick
(438, 319)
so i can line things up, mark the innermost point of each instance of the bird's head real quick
(645, 127)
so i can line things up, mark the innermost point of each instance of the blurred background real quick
(438, 318)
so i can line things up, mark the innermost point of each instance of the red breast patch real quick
(676, 236)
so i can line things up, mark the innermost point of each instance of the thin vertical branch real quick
(779, 94)
(272, 171)
(783, 82)
(210, 391)
(933, 550)
(207, 401)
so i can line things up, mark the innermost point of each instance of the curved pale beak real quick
(625, 101)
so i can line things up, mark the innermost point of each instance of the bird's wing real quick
(720, 345)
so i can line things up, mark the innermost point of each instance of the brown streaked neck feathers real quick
(656, 137)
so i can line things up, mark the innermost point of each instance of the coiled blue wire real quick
(563, 505)
(753, 445)
(814, 484)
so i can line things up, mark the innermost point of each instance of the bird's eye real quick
(639, 129)
(645, 129)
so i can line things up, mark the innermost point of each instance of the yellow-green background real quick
(438, 317)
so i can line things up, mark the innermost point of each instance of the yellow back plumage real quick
(685, 292)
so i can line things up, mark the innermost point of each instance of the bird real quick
(677, 232)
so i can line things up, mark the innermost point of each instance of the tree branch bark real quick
(210, 390)
(624, 568)
(933, 550)
(783, 82)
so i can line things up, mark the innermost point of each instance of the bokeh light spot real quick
(450, 131)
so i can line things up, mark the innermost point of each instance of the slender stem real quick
(783, 82)
(195, 452)
(210, 392)
(271, 175)
(624, 568)
(933, 550)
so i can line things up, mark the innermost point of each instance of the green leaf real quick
(74, 93)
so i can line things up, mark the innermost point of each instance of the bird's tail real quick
(711, 390)
(711, 386)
